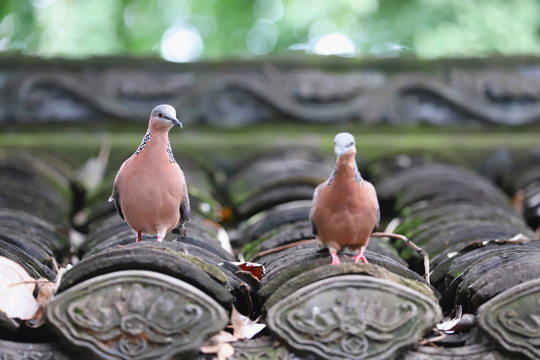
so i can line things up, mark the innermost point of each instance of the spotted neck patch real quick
(170, 154)
(332, 176)
(357, 176)
(145, 139)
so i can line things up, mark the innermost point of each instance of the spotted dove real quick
(345, 210)
(150, 191)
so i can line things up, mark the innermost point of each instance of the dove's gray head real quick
(344, 144)
(164, 116)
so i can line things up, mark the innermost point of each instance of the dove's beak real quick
(175, 121)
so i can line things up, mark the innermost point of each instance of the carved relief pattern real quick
(20, 351)
(513, 318)
(528, 326)
(352, 322)
(353, 316)
(467, 352)
(136, 314)
(262, 349)
(256, 94)
(264, 354)
(29, 355)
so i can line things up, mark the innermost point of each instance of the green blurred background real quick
(223, 29)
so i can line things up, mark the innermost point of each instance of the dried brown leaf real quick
(46, 290)
(257, 270)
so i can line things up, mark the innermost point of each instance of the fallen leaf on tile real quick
(243, 326)
(460, 322)
(16, 291)
(219, 344)
(46, 291)
(257, 270)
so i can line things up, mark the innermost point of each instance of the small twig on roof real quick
(418, 249)
(284, 247)
(440, 335)
(54, 263)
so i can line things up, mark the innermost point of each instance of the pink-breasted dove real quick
(345, 209)
(150, 191)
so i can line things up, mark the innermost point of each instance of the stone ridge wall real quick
(503, 91)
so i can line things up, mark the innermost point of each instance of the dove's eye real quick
(160, 115)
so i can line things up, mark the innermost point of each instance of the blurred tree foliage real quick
(188, 30)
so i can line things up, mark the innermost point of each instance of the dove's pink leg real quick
(360, 256)
(335, 258)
